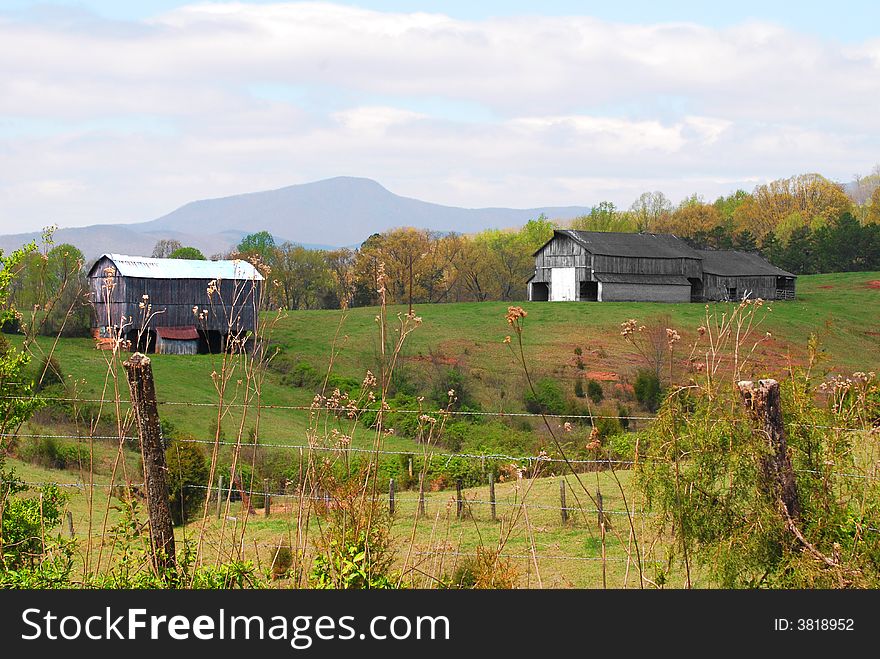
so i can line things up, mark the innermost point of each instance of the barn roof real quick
(150, 268)
(730, 263)
(647, 245)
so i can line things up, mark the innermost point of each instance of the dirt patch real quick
(826, 286)
(874, 283)
(604, 376)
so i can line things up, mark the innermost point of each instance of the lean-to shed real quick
(178, 306)
(733, 275)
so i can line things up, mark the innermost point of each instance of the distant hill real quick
(330, 213)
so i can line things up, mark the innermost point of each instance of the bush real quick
(53, 454)
(187, 476)
(48, 373)
(547, 398)
(579, 389)
(648, 390)
(594, 391)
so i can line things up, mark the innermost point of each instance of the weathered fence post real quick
(421, 510)
(562, 507)
(763, 405)
(267, 497)
(459, 504)
(492, 494)
(70, 523)
(146, 414)
(600, 511)
(391, 497)
(219, 494)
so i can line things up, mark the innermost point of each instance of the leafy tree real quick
(187, 253)
(648, 390)
(799, 254)
(302, 276)
(260, 244)
(745, 241)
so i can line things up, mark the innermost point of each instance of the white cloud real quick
(571, 110)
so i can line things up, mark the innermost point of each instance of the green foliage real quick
(53, 453)
(579, 388)
(594, 391)
(27, 521)
(348, 567)
(188, 473)
(547, 398)
(187, 253)
(260, 243)
(701, 470)
(282, 560)
(48, 374)
(648, 390)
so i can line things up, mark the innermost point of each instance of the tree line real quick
(804, 224)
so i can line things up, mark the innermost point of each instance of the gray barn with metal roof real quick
(606, 266)
(178, 313)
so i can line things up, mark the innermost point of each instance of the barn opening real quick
(589, 291)
(696, 289)
(732, 293)
(785, 288)
(540, 291)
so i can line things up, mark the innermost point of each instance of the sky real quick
(122, 111)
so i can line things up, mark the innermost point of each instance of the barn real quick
(733, 275)
(164, 305)
(602, 266)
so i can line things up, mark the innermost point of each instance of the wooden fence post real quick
(459, 504)
(70, 523)
(391, 497)
(600, 511)
(562, 507)
(267, 497)
(219, 494)
(421, 510)
(146, 414)
(492, 494)
(763, 405)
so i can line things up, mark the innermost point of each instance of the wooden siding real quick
(648, 266)
(621, 292)
(717, 287)
(562, 252)
(232, 309)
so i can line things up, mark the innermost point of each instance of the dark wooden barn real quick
(176, 306)
(604, 267)
(732, 275)
(642, 267)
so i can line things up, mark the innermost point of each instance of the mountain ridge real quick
(328, 213)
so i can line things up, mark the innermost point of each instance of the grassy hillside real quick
(843, 310)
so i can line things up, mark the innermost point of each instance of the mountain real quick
(330, 213)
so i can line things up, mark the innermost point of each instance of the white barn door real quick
(563, 285)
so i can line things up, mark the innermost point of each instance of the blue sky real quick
(122, 111)
(843, 20)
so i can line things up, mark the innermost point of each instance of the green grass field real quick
(841, 309)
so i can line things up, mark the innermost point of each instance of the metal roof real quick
(646, 245)
(730, 263)
(622, 278)
(150, 268)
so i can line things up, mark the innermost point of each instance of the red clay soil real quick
(605, 376)
(873, 284)
(826, 286)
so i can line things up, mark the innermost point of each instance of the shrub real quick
(53, 454)
(594, 391)
(48, 373)
(282, 560)
(648, 390)
(187, 476)
(623, 414)
(547, 398)
(579, 389)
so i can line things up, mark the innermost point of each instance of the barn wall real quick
(648, 266)
(233, 308)
(617, 292)
(716, 287)
(562, 252)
